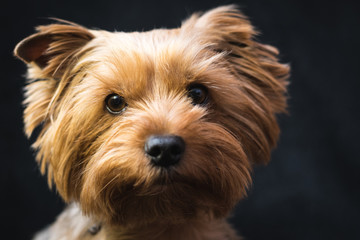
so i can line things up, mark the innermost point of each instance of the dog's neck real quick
(194, 230)
(73, 225)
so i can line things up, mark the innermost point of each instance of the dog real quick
(152, 135)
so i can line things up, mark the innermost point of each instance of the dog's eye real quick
(115, 104)
(198, 93)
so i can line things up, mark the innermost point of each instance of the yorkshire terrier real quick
(151, 135)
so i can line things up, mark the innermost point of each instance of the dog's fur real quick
(96, 159)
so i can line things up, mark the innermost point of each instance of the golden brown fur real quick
(97, 159)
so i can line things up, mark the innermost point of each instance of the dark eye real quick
(198, 93)
(115, 104)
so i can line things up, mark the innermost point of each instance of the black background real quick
(310, 190)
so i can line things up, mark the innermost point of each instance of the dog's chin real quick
(164, 207)
(169, 198)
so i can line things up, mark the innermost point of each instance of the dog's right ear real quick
(53, 47)
(50, 53)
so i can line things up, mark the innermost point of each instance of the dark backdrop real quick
(309, 190)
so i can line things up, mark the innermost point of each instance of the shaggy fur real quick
(97, 159)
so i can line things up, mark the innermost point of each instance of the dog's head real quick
(164, 124)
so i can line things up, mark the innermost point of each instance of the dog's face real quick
(165, 124)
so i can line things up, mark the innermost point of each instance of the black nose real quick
(165, 150)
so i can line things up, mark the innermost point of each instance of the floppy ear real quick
(226, 29)
(53, 46)
(51, 51)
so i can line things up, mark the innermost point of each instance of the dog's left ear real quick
(52, 47)
(226, 29)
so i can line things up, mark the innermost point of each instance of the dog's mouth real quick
(167, 176)
(173, 179)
